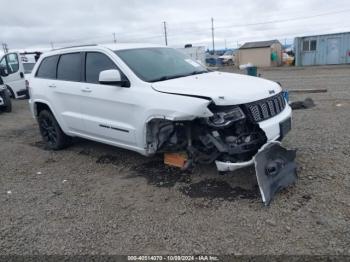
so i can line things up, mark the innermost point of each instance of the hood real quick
(222, 88)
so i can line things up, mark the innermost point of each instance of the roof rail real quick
(73, 46)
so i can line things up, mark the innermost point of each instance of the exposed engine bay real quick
(227, 136)
(230, 135)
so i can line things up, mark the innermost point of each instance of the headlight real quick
(226, 118)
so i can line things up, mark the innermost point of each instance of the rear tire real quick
(51, 132)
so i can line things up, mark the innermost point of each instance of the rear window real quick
(69, 67)
(47, 68)
(28, 67)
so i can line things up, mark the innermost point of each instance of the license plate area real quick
(285, 127)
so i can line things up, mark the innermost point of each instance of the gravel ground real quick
(95, 199)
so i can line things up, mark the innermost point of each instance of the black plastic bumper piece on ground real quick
(275, 170)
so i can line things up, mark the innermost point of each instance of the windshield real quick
(28, 67)
(228, 53)
(159, 64)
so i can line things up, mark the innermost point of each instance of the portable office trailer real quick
(330, 49)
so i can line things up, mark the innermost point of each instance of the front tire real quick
(51, 132)
(7, 107)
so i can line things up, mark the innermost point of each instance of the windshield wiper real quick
(164, 78)
(199, 72)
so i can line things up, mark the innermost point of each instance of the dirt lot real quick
(96, 199)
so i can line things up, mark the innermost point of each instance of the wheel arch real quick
(39, 105)
(13, 95)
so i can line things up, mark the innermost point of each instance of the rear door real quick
(107, 110)
(64, 90)
(15, 79)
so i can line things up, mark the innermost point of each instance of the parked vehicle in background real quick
(153, 99)
(228, 58)
(197, 53)
(18, 67)
(5, 99)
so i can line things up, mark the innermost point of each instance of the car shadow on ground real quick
(202, 182)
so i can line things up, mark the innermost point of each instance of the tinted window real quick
(47, 68)
(28, 67)
(95, 63)
(69, 67)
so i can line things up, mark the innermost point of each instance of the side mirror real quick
(112, 77)
(3, 71)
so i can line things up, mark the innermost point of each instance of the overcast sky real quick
(34, 24)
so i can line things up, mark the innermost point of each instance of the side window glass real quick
(3, 63)
(306, 45)
(313, 45)
(13, 64)
(47, 68)
(69, 67)
(95, 63)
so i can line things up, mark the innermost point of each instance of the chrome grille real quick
(266, 108)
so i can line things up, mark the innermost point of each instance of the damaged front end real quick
(232, 138)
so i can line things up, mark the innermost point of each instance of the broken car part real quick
(305, 104)
(232, 137)
(275, 169)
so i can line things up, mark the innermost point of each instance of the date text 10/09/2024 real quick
(173, 258)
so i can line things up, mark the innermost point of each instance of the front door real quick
(333, 54)
(107, 111)
(15, 78)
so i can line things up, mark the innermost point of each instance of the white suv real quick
(153, 99)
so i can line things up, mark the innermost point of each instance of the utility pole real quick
(212, 33)
(165, 34)
(52, 46)
(5, 48)
(114, 39)
(225, 45)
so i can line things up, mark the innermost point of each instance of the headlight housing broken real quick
(225, 118)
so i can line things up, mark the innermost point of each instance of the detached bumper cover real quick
(274, 166)
(275, 169)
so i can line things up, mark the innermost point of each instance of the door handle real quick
(52, 86)
(86, 90)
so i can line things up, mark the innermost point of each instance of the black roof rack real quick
(74, 46)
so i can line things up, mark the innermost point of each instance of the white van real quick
(17, 66)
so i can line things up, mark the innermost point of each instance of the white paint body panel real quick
(126, 111)
(222, 88)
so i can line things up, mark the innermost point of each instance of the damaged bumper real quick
(274, 167)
